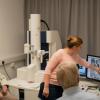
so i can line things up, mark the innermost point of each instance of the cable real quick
(3, 63)
(45, 24)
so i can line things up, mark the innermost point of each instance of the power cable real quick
(42, 21)
(3, 63)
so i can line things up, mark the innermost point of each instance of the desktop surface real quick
(89, 85)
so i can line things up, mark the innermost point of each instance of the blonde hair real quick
(67, 74)
(74, 40)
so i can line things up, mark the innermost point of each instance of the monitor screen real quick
(82, 70)
(95, 60)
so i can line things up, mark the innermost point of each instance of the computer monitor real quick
(82, 70)
(95, 60)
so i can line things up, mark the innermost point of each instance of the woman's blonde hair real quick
(67, 74)
(74, 40)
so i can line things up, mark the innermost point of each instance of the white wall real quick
(11, 28)
(11, 35)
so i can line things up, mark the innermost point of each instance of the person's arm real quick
(84, 63)
(46, 80)
(46, 85)
(53, 62)
(95, 68)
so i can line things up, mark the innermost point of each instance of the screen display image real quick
(82, 70)
(95, 60)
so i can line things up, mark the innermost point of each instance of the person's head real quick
(67, 74)
(74, 42)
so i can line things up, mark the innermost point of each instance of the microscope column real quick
(35, 39)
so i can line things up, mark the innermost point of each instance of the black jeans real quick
(54, 92)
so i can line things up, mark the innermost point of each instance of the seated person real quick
(4, 93)
(68, 77)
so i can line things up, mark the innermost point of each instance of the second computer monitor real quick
(82, 70)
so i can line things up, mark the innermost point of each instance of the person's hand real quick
(46, 91)
(4, 89)
(1, 96)
(97, 70)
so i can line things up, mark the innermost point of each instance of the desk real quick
(23, 90)
(89, 85)
(29, 91)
